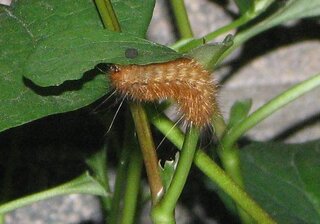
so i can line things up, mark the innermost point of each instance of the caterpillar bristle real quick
(183, 80)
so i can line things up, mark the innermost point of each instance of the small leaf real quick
(253, 8)
(239, 111)
(244, 5)
(167, 171)
(261, 5)
(98, 164)
(208, 55)
(284, 179)
(185, 45)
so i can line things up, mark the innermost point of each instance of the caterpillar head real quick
(107, 68)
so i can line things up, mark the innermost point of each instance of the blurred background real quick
(44, 151)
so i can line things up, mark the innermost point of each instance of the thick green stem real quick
(164, 211)
(132, 187)
(217, 175)
(139, 116)
(182, 20)
(269, 108)
(230, 158)
(148, 151)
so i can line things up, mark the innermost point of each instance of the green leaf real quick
(261, 5)
(283, 11)
(185, 45)
(209, 54)
(134, 15)
(167, 171)
(244, 5)
(26, 25)
(253, 8)
(239, 111)
(98, 164)
(67, 55)
(284, 179)
(83, 184)
(22, 26)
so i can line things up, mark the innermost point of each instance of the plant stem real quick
(269, 108)
(164, 211)
(83, 184)
(132, 187)
(231, 163)
(108, 15)
(148, 151)
(212, 170)
(182, 20)
(139, 116)
(230, 158)
(98, 164)
(233, 25)
(2, 219)
(194, 43)
(119, 184)
(217, 175)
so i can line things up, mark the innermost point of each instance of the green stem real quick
(84, 184)
(148, 151)
(139, 116)
(98, 165)
(108, 15)
(269, 108)
(233, 25)
(231, 163)
(118, 187)
(110, 22)
(164, 211)
(132, 187)
(182, 20)
(230, 160)
(212, 170)
(217, 175)
(189, 44)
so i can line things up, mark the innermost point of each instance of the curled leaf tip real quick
(228, 40)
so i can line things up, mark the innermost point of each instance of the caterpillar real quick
(183, 80)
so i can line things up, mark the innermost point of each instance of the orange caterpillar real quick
(183, 80)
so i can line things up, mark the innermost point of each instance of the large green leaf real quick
(285, 179)
(31, 24)
(67, 55)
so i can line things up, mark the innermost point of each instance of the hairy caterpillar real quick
(184, 80)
